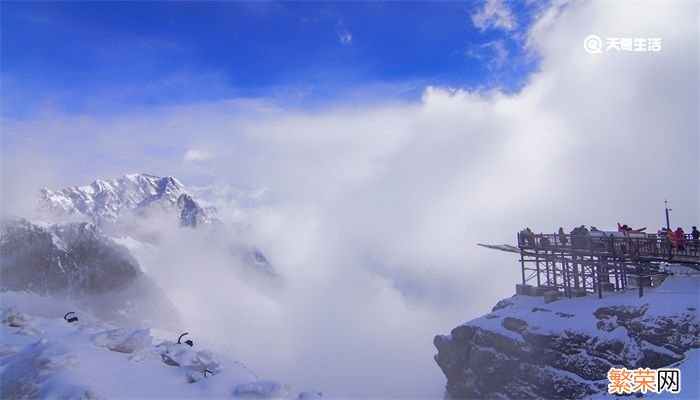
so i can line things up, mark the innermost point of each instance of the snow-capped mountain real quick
(524, 348)
(118, 206)
(109, 201)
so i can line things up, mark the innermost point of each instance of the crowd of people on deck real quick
(669, 238)
(678, 238)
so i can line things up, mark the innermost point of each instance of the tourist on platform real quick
(527, 237)
(579, 237)
(696, 236)
(671, 238)
(562, 236)
(680, 239)
(530, 237)
(628, 229)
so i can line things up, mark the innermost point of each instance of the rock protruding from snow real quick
(526, 349)
(110, 201)
(12, 317)
(124, 340)
(262, 390)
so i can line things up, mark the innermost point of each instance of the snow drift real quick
(46, 357)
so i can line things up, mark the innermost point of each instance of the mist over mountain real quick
(91, 269)
(80, 260)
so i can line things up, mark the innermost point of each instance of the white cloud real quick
(345, 37)
(494, 53)
(373, 211)
(343, 33)
(197, 155)
(494, 15)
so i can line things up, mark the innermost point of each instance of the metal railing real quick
(636, 245)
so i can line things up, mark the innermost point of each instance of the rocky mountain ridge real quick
(111, 201)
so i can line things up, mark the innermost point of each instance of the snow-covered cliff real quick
(524, 348)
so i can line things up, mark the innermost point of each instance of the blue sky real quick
(95, 57)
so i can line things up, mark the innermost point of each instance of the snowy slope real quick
(43, 356)
(525, 348)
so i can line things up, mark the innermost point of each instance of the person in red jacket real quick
(671, 238)
(680, 239)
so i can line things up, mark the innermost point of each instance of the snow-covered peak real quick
(107, 201)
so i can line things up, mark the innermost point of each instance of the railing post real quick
(612, 245)
(640, 281)
(537, 267)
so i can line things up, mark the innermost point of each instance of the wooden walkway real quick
(574, 265)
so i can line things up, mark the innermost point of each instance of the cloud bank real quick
(372, 211)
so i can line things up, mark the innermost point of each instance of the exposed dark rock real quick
(191, 214)
(565, 315)
(502, 304)
(623, 313)
(514, 324)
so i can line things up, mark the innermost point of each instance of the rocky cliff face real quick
(62, 259)
(75, 262)
(526, 349)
